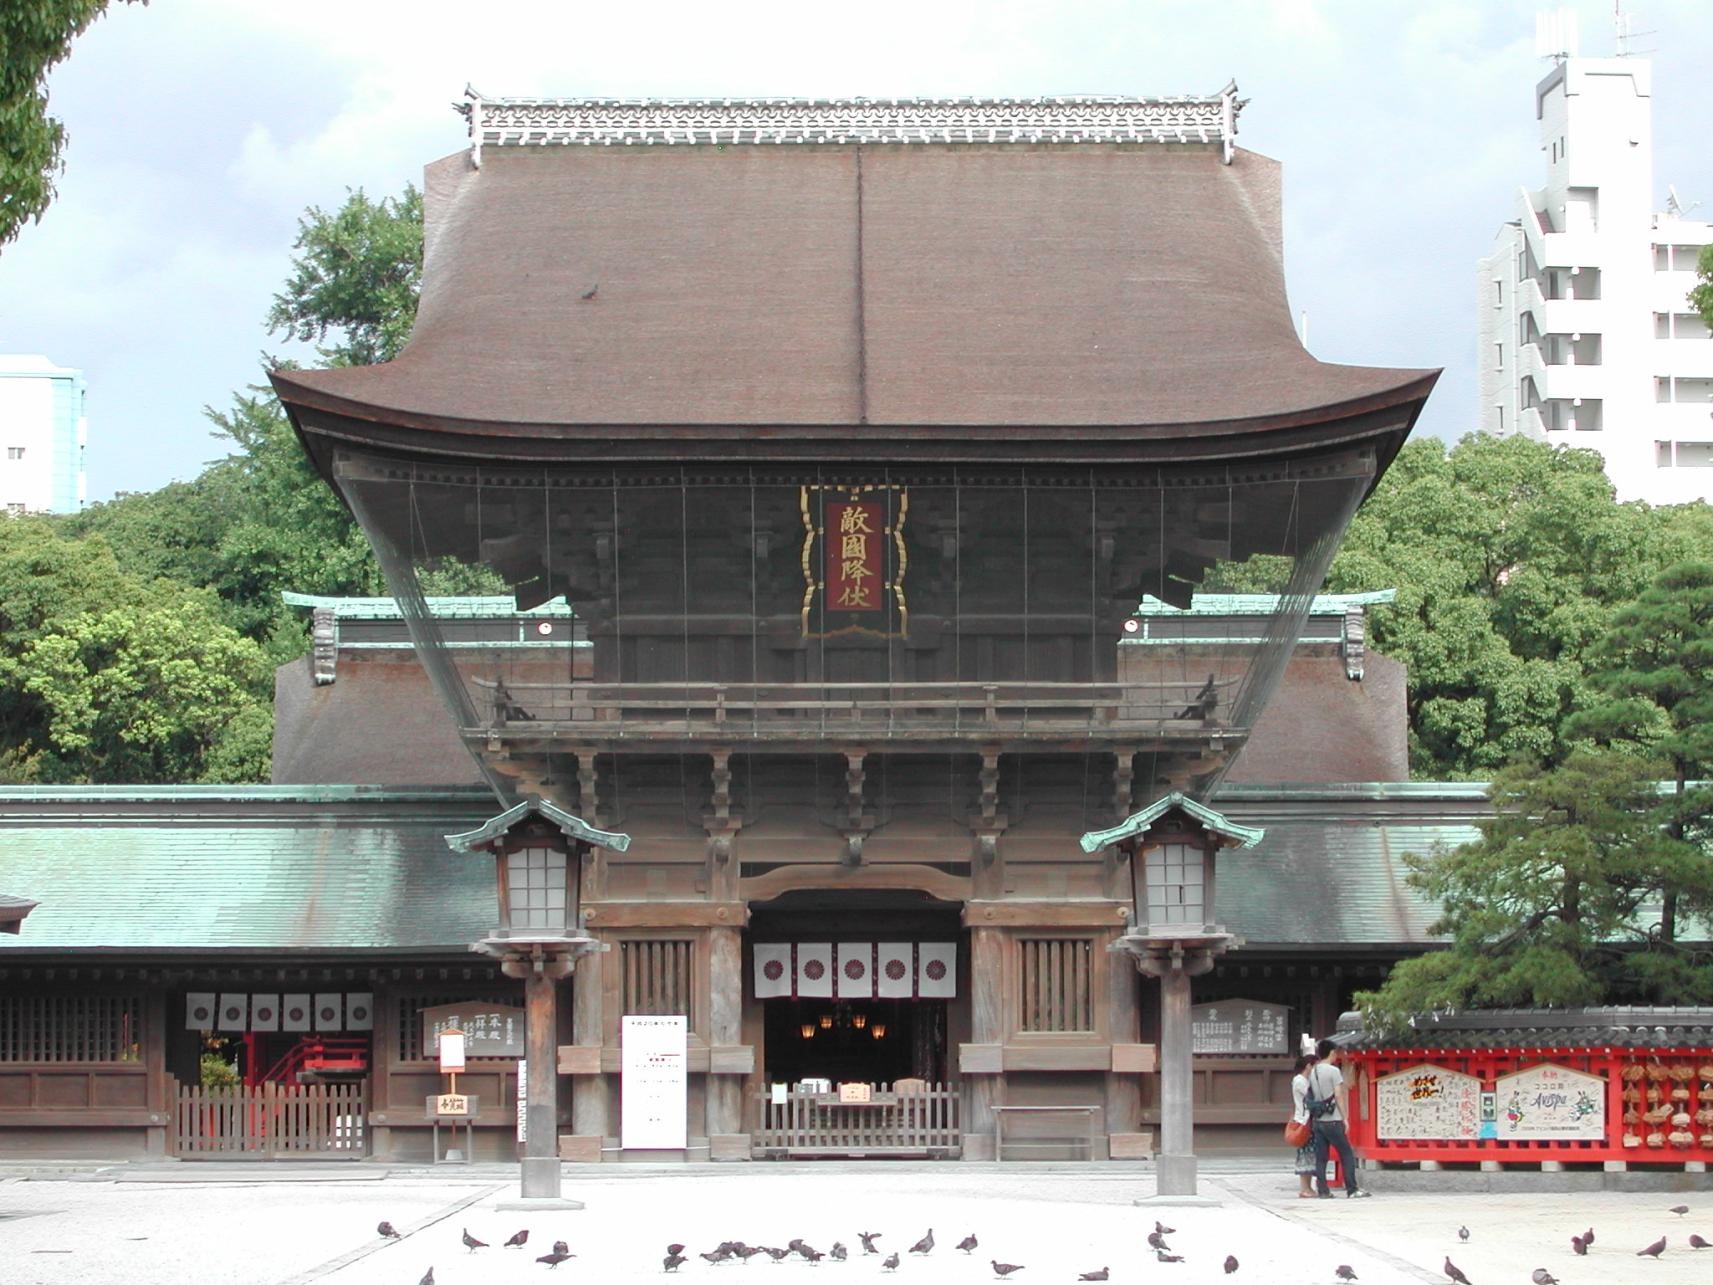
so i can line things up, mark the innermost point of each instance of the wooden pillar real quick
(987, 1026)
(162, 1089)
(725, 1028)
(589, 1095)
(1123, 1019)
(541, 1109)
(382, 1041)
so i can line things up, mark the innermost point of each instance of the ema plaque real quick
(1239, 1026)
(1428, 1102)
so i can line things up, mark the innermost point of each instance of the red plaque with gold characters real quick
(854, 560)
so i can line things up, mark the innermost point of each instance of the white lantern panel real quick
(360, 1011)
(199, 1011)
(329, 1011)
(296, 1013)
(233, 1013)
(264, 1012)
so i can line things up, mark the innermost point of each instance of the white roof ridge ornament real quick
(1077, 118)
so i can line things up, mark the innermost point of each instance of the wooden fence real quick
(913, 1122)
(272, 1120)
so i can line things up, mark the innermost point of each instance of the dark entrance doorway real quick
(870, 1041)
(866, 1040)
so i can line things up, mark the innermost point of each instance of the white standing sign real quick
(654, 1091)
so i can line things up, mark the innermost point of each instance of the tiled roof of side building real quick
(1626, 1026)
(351, 869)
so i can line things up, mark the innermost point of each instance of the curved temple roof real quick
(968, 280)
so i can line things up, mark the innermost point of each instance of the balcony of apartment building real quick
(1572, 415)
(1569, 366)
(1681, 454)
(1562, 300)
(1683, 406)
(1682, 344)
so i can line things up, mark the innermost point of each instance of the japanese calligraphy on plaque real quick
(1428, 1102)
(1238, 1026)
(1549, 1101)
(490, 1030)
(854, 560)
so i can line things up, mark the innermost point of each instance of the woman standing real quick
(1305, 1166)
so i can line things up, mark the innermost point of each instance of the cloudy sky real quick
(201, 129)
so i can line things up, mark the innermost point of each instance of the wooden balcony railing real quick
(871, 710)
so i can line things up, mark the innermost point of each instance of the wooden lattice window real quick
(410, 1012)
(1057, 984)
(657, 976)
(71, 1028)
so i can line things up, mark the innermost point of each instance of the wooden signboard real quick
(1239, 1026)
(1549, 1101)
(490, 1030)
(856, 1092)
(1428, 1102)
(453, 1106)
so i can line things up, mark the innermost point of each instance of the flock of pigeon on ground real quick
(737, 1251)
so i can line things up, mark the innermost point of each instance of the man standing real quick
(1326, 1081)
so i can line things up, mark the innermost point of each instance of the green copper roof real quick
(572, 827)
(1262, 604)
(332, 869)
(1140, 822)
(483, 608)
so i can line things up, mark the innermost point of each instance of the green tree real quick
(1657, 680)
(1509, 557)
(146, 694)
(35, 36)
(1553, 904)
(357, 273)
(1701, 296)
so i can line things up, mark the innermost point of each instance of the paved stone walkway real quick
(224, 1224)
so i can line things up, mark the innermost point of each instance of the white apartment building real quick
(43, 433)
(1585, 337)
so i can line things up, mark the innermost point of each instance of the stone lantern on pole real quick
(1173, 937)
(538, 850)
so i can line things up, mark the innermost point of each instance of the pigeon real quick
(1164, 1257)
(1588, 1237)
(1156, 1241)
(671, 1249)
(868, 1238)
(386, 1230)
(717, 1256)
(890, 1262)
(1679, 1210)
(1452, 1270)
(427, 1277)
(747, 1252)
(554, 1259)
(777, 1255)
(1093, 1276)
(795, 1245)
(925, 1245)
(1540, 1276)
(471, 1243)
(590, 292)
(967, 1243)
(518, 1239)
(1695, 1242)
(1344, 1272)
(1163, 1229)
(1579, 1245)
(672, 1262)
(1002, 1270)
(560, 1247)
(1463, 1233)
(838, 1252)
(1654, 1250)
(813, 1255)
(1230, 1263)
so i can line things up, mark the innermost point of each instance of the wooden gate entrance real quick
(911, 1119)
(272, 1121)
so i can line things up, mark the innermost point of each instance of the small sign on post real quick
(452, 1104)
(856, 1093)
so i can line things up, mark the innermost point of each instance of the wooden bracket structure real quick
(858, 823)
(721, 825)
(992, 822)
